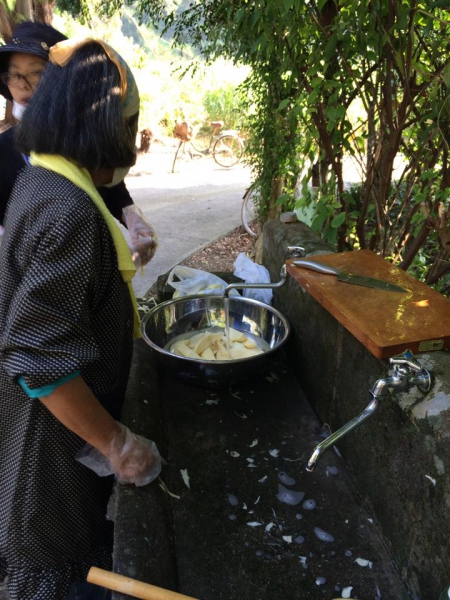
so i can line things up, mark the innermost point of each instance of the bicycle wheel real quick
(249, 212)
(184, 153)
(228, 150)
(201, 144)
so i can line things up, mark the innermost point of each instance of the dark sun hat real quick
(30, 38)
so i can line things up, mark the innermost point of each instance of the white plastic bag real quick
(194, 282)
(250, 272)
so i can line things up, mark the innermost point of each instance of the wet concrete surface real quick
(252, 523)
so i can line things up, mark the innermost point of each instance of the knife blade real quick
(346, 277)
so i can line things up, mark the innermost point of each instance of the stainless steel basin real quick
(191, 313)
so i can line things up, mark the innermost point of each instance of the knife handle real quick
(316, 266)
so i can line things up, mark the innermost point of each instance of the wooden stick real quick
(132, 587)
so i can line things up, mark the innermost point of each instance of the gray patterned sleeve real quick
(48, 332)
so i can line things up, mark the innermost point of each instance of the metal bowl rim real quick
(204, 297)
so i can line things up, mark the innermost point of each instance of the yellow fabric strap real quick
(82, 179)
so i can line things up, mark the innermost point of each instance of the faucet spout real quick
(381, 387)
(256, 286)
(334, 437)
(406, 373)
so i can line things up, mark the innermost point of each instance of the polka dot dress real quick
(63, 308)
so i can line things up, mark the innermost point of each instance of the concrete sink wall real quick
(400, 458)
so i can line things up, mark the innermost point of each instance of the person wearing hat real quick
(68, 316)
(22, 62)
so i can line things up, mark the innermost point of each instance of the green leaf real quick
(259, 44)
(283, 104)
(254, 18)
(338, 220)
(313, 97)
(330, 47)
(239, 15)
(316, 82)
(283, 198)
(318, 221)
(447, 76)
(331, 112)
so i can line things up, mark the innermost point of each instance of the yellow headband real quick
(62, 52)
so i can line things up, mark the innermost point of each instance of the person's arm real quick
(144, 240)
(116, 199)
(76, 407)
(132, 458)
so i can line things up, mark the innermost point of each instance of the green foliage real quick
(223, 104)
(368, 80)
(332, 81)
(168, 89)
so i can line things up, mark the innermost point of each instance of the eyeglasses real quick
(14, 79)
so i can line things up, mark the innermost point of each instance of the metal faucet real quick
(256, 286)
(407, 372)
(294, 251)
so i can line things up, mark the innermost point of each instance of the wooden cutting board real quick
(387, 323)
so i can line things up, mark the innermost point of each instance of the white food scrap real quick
(433, 481)
(263, 479)
(253, 444)
(185, 476)
(254, 524)
(269, 526)
(234, 454)
(362, 562)
(165, 489)
(241, 416)
(287, 538)
(274, 452)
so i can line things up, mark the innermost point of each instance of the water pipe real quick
(407, 372)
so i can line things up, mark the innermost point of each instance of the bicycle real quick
(249, 211)
(226, 147)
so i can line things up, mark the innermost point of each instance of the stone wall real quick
(400, 458)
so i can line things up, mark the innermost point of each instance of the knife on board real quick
(346, 277)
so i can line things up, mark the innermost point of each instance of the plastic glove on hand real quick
(131, 458)
(134, 458)
(144, 240)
